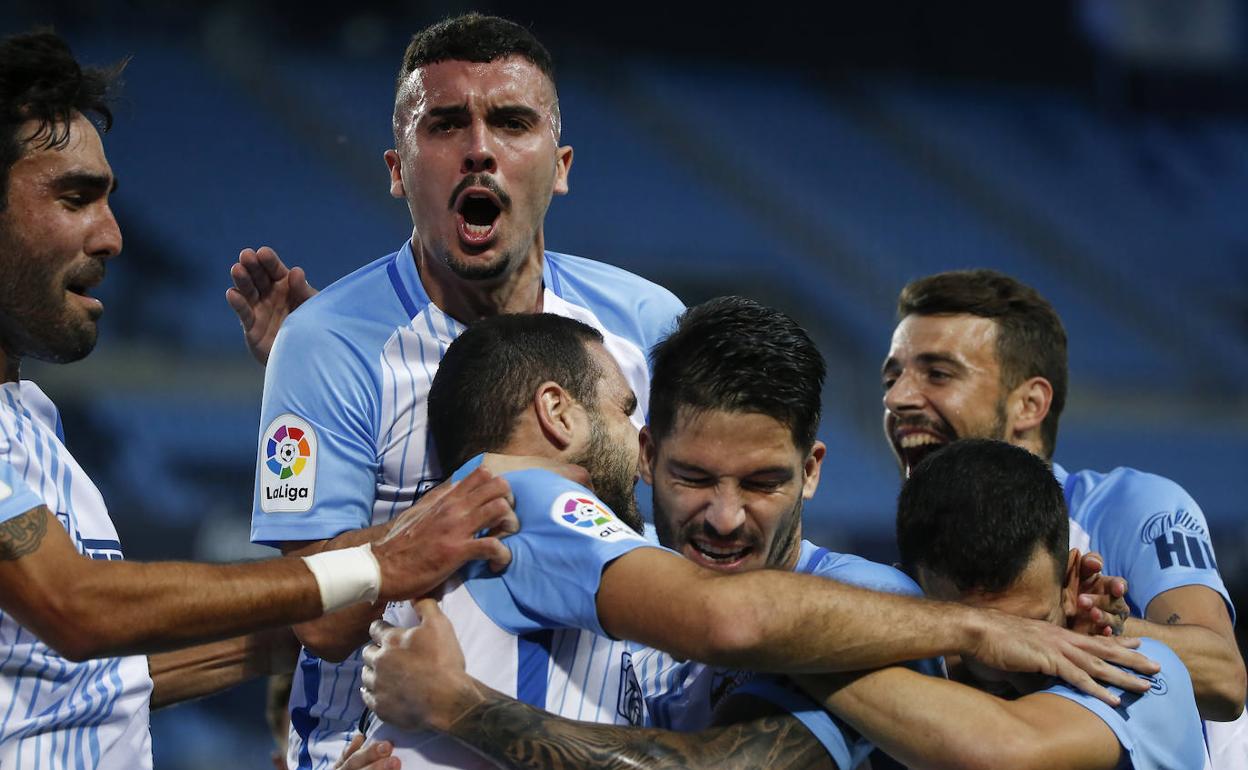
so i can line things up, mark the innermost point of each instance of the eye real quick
(889, 382)
(938, 375)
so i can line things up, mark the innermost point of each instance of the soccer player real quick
(477, 158)
(69, 603)
(732, 459)
(978, 354)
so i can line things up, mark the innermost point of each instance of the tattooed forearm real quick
(523, 737)
(23, 534)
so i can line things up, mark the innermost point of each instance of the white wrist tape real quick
(346, 576)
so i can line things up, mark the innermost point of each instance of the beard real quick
(36, 318)
(612, 470)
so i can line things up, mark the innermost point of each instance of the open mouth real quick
(478, 214)
(720, 557)
(914, 447)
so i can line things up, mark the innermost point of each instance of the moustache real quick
(479, 180)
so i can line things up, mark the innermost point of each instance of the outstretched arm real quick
(779, 621)
(207, 669)
(263, 294)
(85, 608)
(928, 723)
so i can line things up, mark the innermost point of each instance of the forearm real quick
(927, 723)
(775, 621)
(336, 635)
(206, 669)
(520, 736)
(115, 608)
(1216, 668)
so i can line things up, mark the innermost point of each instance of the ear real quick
(1070, 584)
(563, 166)
(1029, 404)
(812, 466)
(561, 419)
(649, 455)
(396, 174)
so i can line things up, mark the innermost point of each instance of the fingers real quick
(300, 289)
(1090, 565)
(374, 756)
(241, 276)
(241, 307)
(1119, 652)
(381, 631)
(1077, 677)
(491, 549)
(428, 611)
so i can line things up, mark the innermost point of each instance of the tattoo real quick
(23, 534)
(527, 738)
(1173, 619)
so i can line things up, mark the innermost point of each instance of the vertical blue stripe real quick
(301, 718)
(392, 270)
(602, 688)
(815, 559)
(407, 437)
(589, 662)
(532, 667)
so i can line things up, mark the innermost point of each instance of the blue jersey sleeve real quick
(1159, 729)
(16, 497)
(567, 537)
(1151, 532)
(841, 741)
(316, 468)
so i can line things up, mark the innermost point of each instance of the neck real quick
(518, 290)
(11, 365)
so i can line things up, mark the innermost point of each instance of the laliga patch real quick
(582, 513)
(287, 465)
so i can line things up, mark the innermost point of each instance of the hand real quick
(374, 756)
(264, 293)
(1101, 607)
(415, 678)
(1021, 645)
(429, 541)
(499, 464)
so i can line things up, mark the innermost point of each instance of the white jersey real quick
(344, 442)
(532, 632)
(55, 713)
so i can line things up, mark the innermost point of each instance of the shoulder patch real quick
(287, 465)
(582, 513)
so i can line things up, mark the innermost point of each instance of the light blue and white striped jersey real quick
(344, 439)
(1151, 532)
(1159, 729)
(532, 632)
(684, 696)
(55, 713)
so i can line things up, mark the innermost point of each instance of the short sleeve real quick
(567, 537)
(1151, 532)
(16, 497)
(1159, 729)
(316, 462)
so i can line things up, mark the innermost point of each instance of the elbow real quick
(734, 636)
(327, 645)
(70, 632)
(1223, 701)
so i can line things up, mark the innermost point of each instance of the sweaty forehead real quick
(83, 153)
(962, 335)
(510, 80)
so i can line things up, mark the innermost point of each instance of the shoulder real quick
(621, 300)
(864, 573)
(1126, 495)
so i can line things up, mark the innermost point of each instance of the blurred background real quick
(815, 160)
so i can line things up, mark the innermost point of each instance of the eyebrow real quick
(926, 359)
(87, 180)
(514, 111)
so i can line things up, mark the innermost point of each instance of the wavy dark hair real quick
(41, 81)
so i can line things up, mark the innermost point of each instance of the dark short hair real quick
(490, 373)
(41, 81)
(975, 511)
(732, 353)
(1031, 341)
(474, 37)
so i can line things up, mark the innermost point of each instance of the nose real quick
(104, 238)
(479, 156)
(904, 394)
(726, 512)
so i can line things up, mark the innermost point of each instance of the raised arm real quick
(778, 621)
(263, 294)
(85, 608)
